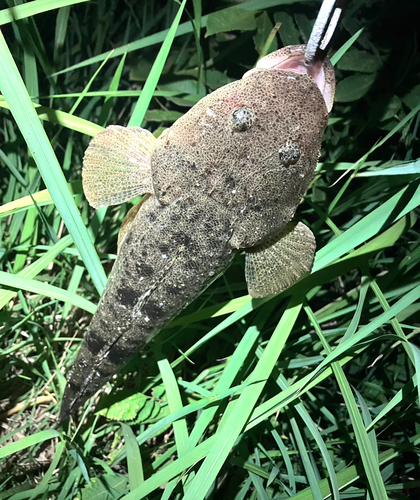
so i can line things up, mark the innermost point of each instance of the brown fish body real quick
(227, 175)
(161, 267)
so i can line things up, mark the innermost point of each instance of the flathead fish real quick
(227, 176)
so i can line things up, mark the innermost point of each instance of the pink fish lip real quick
(295, 62)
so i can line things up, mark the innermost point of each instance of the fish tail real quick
(95, 364)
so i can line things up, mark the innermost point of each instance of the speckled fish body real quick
(228, 175)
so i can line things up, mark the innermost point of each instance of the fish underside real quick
(227, 176)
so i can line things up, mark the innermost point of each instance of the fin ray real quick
(117, 165)
(277, 264)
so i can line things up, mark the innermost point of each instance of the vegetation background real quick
(308, 394)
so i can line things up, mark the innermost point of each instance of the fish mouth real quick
(292, 58)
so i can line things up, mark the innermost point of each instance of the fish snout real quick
(292, 58)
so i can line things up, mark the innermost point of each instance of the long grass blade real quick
(33, 8)
(54, 292)
(234, 421)
(183, 29)
(153, 78)
(14, 90)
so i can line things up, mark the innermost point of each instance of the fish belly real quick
(169, 256)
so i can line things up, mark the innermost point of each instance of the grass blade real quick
(175, 403)
(62, 118)
(153, 78)
(32, 8)
(14, 91)
(370, 461)
(134, 463)
(15, 281)
(36, 267)
(183, 29)
(234, 421)
(39, 437)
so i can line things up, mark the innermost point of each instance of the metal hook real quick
(322, 27)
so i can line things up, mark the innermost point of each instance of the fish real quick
(226, 177)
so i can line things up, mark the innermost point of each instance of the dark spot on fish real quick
(128, 238)
(73, 386)
(144, 269)
(186, 202)
(194, 217)
(182, 239)
(105, 370)
(192, 165)
(230, 182)
(208, 226)
(127, 296)
(119, 355)
(152, 310)
(191, 264)
(164, 248)
(172, 290)
(175, 217)
(94, 342)
(113, 310)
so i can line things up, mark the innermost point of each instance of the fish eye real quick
(242, 118)
(289, 153)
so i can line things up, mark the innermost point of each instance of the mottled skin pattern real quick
(202, 155)
(162, 265)
(217, 189)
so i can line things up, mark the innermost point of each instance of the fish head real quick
(253, 144)
(292, 58)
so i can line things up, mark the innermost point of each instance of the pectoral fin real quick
(117, 165)
(277, 264)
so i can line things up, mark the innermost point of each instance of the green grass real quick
(309, 394)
